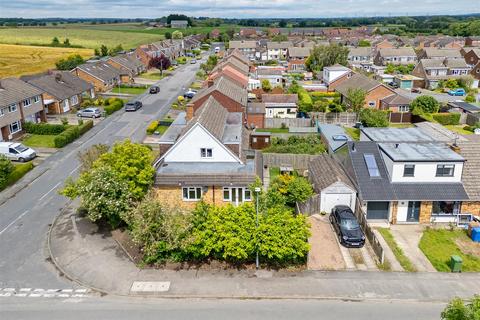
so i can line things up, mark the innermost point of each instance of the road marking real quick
(74, 170)
(44, 293)
(46, 194)
(14, 221)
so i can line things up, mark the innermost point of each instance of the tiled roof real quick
(471, 169)
(279, 98)
(237, 64)
(397, 99)
(269, 72)
(358, 81)
(279, 45)
(397, 52)
(325, 171)
(127, 61)
(235, 53)
(360, 51)
(299, 52)
(100, 70)
(242, 44)
(212, 116)
(442, 53)
(61, 85)
(456, 63)
(226, 87)
(432, 63)
(13, 90)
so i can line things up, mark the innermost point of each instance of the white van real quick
(217, 49)
(17, 151)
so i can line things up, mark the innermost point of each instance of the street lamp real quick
(257, 191)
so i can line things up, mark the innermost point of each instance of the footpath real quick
(94, 260)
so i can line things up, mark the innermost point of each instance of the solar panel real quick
(371, 165)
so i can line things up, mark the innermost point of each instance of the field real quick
(21, 60)
(79, 36)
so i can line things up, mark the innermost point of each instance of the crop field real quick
(78, 36)
(20, 60)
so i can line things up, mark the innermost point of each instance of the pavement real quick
(29, 207)
(91, 258)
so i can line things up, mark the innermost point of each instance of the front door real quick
(237, 196)
(413, 212)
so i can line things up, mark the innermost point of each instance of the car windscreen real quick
(349, 224)
(21, 148)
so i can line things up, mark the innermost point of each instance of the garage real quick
(331, 185)
(378, 210)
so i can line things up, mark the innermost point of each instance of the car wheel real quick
(21, 159)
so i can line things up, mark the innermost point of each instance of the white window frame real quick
(246, 194)
(36, 99)
(18, 123)
(403, 109)
(27, 102)
(186, 193)
(74, 100)
(12, 107)
(443, 166)
(2, 111)
(204, 153)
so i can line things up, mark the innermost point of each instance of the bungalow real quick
(62, 91)
(405, 55)
(19, 102)
(204, 158)
(103, 76)
(375, 91)
(274, 75)
(280, 105)
(128, 62)
(334, 75)
(399, 105)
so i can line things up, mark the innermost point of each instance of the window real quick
(2, 111)
(445, 207)
(27, 102)
(74, 100)
(267, 140)
(15, 127)
(235, 194)
(192, 193)
(254, 139)
(371, 103)
(445, 170)
(403, 108)
(409, 170)
(371, 165)
(12, 108)
(206, 152)
(36, 99)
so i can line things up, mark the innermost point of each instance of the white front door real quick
(66, 105)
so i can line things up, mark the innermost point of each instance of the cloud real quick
(231, 9)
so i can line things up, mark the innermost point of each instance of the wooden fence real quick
(372, 238)
(309, 207)
(287, 122)
(343, 118)
(296, 161)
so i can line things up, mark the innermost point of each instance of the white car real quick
(17, 151)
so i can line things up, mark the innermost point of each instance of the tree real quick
(458, 310)
(70, 62)
(424, 104)
(168, 35)
(374, 118)
(103, 50)
(177, 34)
(323, 56)
(356, 99)
(364, 43)
(6, 168)
(96, 52)
(293, 188)
(89, 156)
(116, 50)
(266, 86)
(282, 23)
(161, 63)
(66, 43)
(55, 42)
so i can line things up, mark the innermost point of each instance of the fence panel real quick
(297, 161)
(362, 220)
(343, 118)
(288, 122)
(309, 207)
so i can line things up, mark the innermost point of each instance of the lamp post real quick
(257, 191)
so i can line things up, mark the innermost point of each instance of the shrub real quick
(114, 106)
(470, 98)
(66, 137)
(424, 104)
(19, 171)
(304, 101)
(180, 99)
(447, 118)
(64, 121)
(152, 127)
(319, 94)
(85, 126)
(6, 168)
(374, 118)
(43, 128)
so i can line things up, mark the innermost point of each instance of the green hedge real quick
(447, 118)
(18, 172)
(43, 128)
(305, 101)
(152, 127)
(113, 106)
(67, 136)
(87, 125)
(318, 94)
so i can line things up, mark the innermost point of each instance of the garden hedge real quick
(152, 127)
(67, 136)
(84, 127)
(43, 128)
(447, 118)
(18, 172)
(113, 106)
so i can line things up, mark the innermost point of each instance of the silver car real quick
(89, 113)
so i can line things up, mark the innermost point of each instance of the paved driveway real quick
(324, 252)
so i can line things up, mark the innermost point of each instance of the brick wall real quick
(378, 94)
(256, 119)
(172, 196)
(394, 212)
(98, 85)
(425, 212)
(472, 207)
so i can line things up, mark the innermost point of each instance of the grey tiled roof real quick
(235, 63)
(471, 169)
(430, 191)
(212, 116)
(127, 61)
(299, 51)
(61, 85)
(279, 45)
(279, 98)
(456, 63)
(235, 53)
(464, 105)
(445, 53)
(100, 70)
(242, 44)
(397, 99)
(397, 52)
(227, 88)
(269, 72)
(324, 171)
(360, 51)
(433, 63)
(358, 81)
(13, 90)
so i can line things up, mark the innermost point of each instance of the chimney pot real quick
(190, 112)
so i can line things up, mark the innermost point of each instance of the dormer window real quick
(206, 152)
(409, 170)
(445, 170)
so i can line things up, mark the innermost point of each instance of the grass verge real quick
(129, 90)
(397, 251)
(439, 245)
(18, 172)
(42, 141)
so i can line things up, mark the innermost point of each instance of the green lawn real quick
(439, 245)
(129, 90)
(354, 133)
(42, 141)
(273, 130)
(18, 172)
(397, 251)
(274, 172)
(401, 125)
(161, 129)
(153, 75)
(458, 129)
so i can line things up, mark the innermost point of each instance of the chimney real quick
(455, 147)
(189, 112)
(58, 76)
(210, 83)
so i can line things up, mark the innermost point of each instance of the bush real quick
(447, 118)
(305, 102)
(66, 137)
(424, 104)
(114, 106)
(311, 144)
(319, 94)
(374, 118)
(470, 98)
(18, 172)
(85, 126)
(152, 127)
(43, 128)
(180, 99)
(6, 168)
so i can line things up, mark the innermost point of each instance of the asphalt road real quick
(119, 309)
(25, 218)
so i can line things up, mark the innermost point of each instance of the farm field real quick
(20, 60)
(79, 36)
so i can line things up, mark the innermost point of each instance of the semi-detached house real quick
(103, 76)
(432, 71)
(19, 102)
(397, 56)
(247, 48)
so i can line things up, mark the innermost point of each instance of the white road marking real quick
(44, 293)
(46, 194)
(71, 172)
(25, 289)
(14, 221)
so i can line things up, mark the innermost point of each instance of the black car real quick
(133, 106)
(346, 226)
(154, 89)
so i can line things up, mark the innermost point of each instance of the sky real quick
(232, 9)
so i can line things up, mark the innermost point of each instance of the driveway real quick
(324, 252)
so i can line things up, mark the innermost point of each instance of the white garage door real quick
(331, 200)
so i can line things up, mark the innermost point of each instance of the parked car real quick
(189, 54)
(133, 106)
(193, 61)
(457, 92)
(346, 226)
(17, 151)
(89, 113)
(217, 49)
(190, 94)
(154, 89)
(415, 90)
(393, 84)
